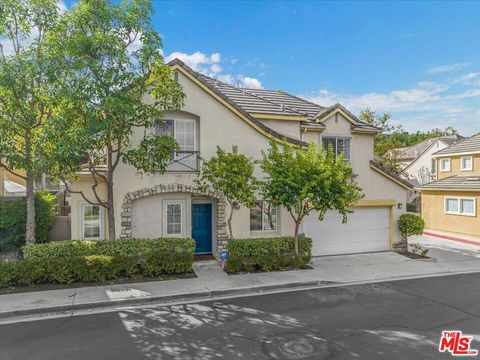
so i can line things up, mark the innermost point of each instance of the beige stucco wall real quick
(217, 125)
(455, 166)
(289, 128)
(148, 215)
(433, 206)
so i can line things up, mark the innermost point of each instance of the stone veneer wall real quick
(221, 224)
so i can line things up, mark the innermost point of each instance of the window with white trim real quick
(445, 164)
(339, 145)
(92, 224)
(173, 218)
(184, 131)
(460, 206)
(263, 217)
(467, 163)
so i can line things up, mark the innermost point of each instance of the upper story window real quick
(185, 132)
(263, 217)
(467, 163)
(445, 165)
(433, 171)
(339, 145)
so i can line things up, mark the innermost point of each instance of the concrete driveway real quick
(448, 250)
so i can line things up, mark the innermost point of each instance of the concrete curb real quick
(209, 295)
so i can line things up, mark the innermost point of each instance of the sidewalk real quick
(212, 282)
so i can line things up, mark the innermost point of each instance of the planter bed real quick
(100, 262)
(267, 254)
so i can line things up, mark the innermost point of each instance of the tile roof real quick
(468, 145)
(414, 151)
(455, 182)
(383, 169)
(252, 101)
(235, 98)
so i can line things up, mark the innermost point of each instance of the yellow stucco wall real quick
(455, 166)
(433, 212)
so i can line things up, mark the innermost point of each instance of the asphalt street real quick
(394, 320)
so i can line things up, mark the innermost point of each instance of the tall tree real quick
(306, 180)
(231, 174)
(110, 59)
(26, 101)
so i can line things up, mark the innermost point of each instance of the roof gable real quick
(469, 145)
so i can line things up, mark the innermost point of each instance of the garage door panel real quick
(367, 229)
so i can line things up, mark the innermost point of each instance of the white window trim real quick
(82, 228)
(336, 139)
(175, 121)
(175, 129)
(182, 216)
(263, 214)
(441, 165)
(471, 162)
(459, 199)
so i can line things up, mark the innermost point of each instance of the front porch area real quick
(176, 210)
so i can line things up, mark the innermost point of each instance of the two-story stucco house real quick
(450, 203)
(217, 114)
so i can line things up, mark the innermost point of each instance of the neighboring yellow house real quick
(450, 204)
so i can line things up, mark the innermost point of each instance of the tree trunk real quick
(111, 207)
(30, 223)
(229, 221)
(30, 192)
(295, 241)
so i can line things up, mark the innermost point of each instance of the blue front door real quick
(202, 227)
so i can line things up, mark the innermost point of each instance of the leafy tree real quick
(230, 173)
(381, 121)
(393, 137)
(109, 56)
(26, 101)
(306, 180)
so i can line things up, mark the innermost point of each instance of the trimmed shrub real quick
(70, 261)
(124, 247)
(13, 217)
(410, 224)
(267, 254)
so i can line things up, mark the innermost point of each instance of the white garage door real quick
(367, 229)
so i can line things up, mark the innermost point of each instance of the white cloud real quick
(251, 83)
(446, 68)
(196, 61)
(211, 65)
(215, 68)
(422, 107)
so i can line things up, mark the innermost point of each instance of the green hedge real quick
(92, 261)
(13, 216)
(267, 254)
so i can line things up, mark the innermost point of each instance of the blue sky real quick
(420, 61)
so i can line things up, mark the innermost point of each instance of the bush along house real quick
(217, 114)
